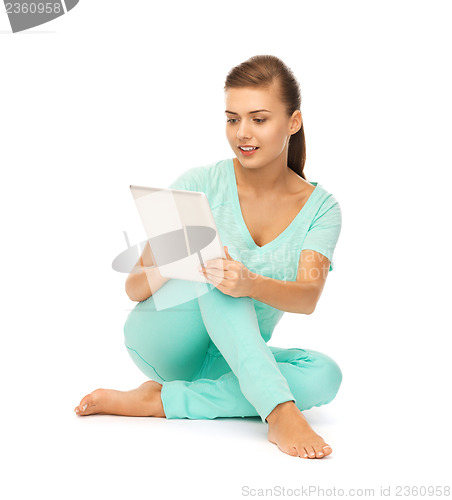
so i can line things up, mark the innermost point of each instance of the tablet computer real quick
(180, 228)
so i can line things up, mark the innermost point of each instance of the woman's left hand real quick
(229, 276)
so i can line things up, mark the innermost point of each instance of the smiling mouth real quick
(248, 148)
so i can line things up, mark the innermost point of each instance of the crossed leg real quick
(189, 379)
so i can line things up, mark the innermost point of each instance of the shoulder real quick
(325, 197)
(327, 205)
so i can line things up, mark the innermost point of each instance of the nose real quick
(243, 131)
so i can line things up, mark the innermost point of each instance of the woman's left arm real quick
(301, 296)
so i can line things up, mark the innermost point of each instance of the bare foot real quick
(290, 431)
(144, 401)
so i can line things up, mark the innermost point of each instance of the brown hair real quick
(263, 71)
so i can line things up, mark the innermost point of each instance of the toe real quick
(304, 453)
(311, 451)
(83, 407)
(326, 450)
(89, 410)
(319, 453)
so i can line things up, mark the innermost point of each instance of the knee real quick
(325, 375)
(129, 325)
(137, 323)
(331, 376)
(128, 328)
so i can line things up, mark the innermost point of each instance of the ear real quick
(297, 122)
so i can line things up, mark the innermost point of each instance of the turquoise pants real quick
(210, 357)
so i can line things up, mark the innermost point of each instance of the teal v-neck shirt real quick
(316, 227)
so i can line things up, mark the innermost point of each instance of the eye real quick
(231, 120)
(260, 120)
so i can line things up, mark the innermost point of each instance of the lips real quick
(248, 152)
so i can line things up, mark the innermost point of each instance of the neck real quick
(270, 178)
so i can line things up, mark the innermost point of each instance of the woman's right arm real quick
(144, 279)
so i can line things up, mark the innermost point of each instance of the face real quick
(247, 124)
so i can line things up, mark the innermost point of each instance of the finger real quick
(218, 264)
(214, 280)
(212, 264)
(227, 253)
(220, 273)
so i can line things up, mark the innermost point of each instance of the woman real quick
(209, 357)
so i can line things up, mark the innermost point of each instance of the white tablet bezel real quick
(176, 209)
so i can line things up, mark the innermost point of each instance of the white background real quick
(119, 93)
